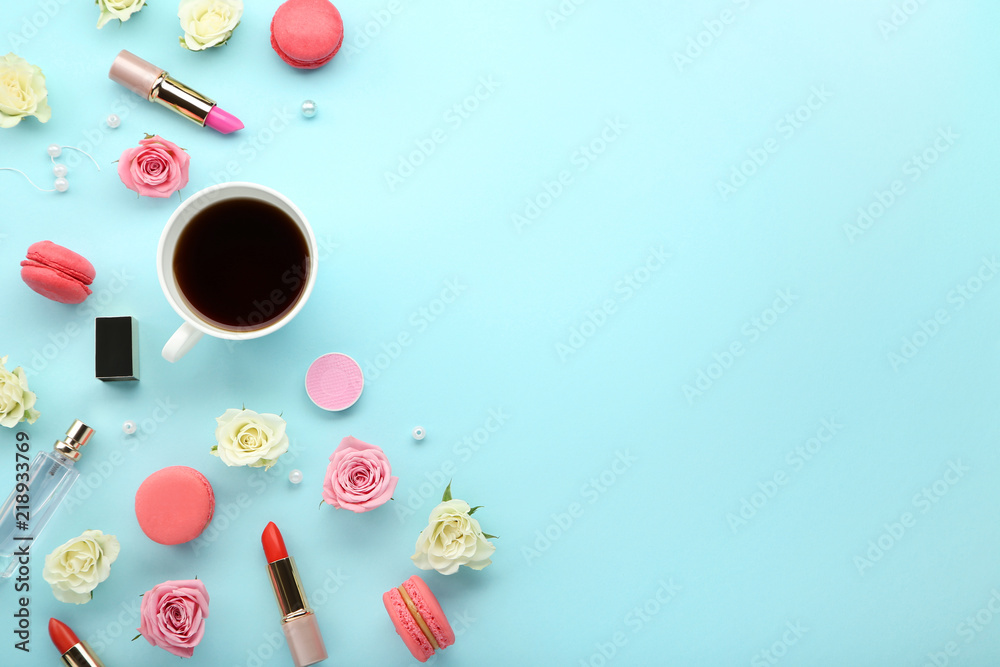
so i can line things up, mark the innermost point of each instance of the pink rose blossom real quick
(156, 168)
(359, 477)
(173, 616)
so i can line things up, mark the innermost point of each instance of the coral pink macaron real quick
(418, 618)
(174, 505)
(57, 273)
(307, 33)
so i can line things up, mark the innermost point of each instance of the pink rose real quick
(173, 616)
(157, 168)
(359, 477)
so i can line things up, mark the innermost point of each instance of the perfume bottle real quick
(50, 477)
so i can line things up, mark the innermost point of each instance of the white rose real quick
(208, 23)
(75, 568)
(249, 439)
(16, 402)
(452, 538)
(117, 9)
(22, 91)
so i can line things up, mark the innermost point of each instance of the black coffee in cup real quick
(241, 263)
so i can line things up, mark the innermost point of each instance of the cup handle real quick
(181, 342)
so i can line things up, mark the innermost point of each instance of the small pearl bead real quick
(60, 170)
(295, 476)
(308, 108)
(129, 427)
(114, 121)
(54, 150)
(419, 433)
(61, 185)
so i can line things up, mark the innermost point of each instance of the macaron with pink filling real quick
(307, 33)
(57, 273)
(418, 618)
(174, 505)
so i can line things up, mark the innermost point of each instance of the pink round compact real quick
(334, 382)
(174, 505)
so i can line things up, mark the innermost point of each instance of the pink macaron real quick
(174, 505)
(418, 618)
(307, 33)
(57, 273)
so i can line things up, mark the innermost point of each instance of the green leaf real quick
(215, 448)
(447, 493)
(491, 537)
(473, 510)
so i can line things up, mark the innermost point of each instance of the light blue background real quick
(558, 592)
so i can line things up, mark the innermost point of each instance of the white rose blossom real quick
(16, 402)
(208, 23)
(451, 539)
(76, 568)
(118, 9)
(22, 91)
(249, 439)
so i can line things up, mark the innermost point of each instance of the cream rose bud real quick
(208, 23)
(117, 9)
(16, 402)
(76, 568)
(246, 438)
(22, 92)
(451, 539)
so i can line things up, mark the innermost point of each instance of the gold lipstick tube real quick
(298, 621)
(80, 655)
(153, 83)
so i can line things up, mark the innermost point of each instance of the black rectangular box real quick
(117, 349)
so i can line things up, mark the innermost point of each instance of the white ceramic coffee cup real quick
(195, 326)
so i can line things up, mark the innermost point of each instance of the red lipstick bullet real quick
(75, 653)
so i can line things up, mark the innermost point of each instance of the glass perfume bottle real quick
(50, 477)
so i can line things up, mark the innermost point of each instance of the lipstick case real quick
(80, 655)
(154, 84)
(298, 620)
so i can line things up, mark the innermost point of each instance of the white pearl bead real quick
(114, 121)
(419, 433)
(308, 108)
(129, 427)
(54, 150)
(295, 476)
(60, 170)
(62, 185)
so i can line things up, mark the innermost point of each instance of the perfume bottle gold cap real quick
(75, 438)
